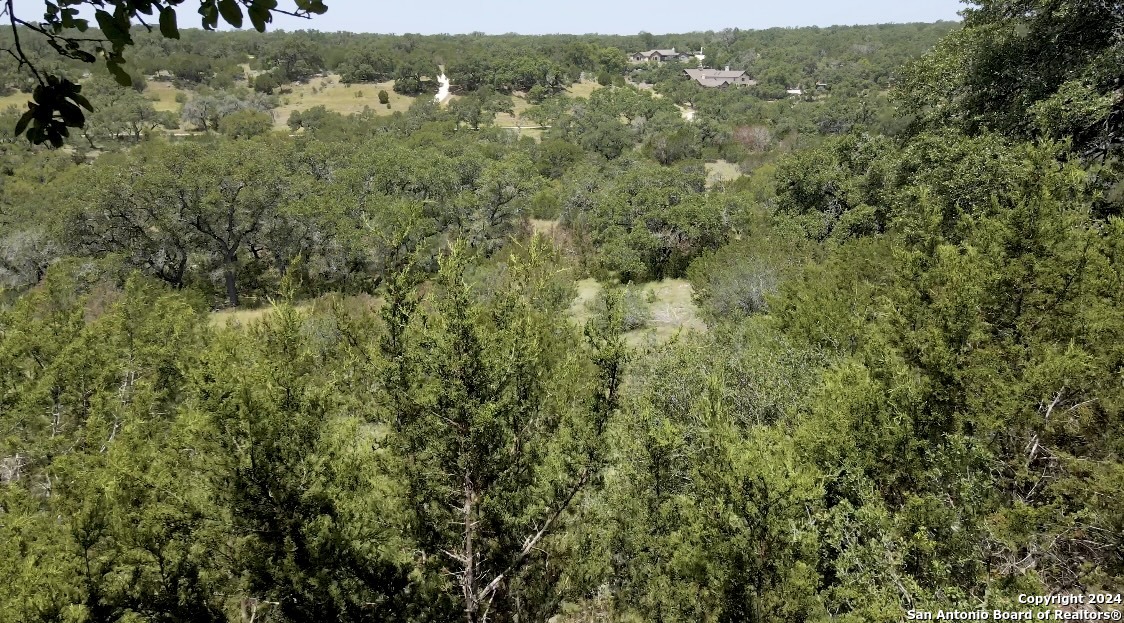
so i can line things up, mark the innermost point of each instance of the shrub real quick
(631, 310)
(246, 124)
(737, 280)
(267, 82)
(537, 94)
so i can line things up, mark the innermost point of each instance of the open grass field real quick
(547, 228)
(163, 95)
(17, 99)
(336, 96)
(582, 89)
(518, 125)
(519, 106)
(673, 310)
(535, 133)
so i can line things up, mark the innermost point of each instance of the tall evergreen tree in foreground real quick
(496, 414)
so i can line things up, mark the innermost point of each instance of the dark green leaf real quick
(24, 120)
(312, 6)
(120, 75)
(168, 26)
(115, 29)
(58, 47)
(71, 114)
(231, 12)
(210, 12)
(82, 101)
(259, 17)
(108, 25)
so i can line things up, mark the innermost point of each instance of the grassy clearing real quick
(673, 310)
(515, 119)
(581, 310)
(17, 99)
(338, 97)
(163, 96)
(243, 318)
(721, 171)
(582, 89)
(520, 104)
(547, 228)
(670, 304)
(534, 133)
(515, 122)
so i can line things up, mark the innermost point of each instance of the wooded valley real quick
(285, 338)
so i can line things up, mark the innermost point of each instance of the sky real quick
(609, 16)
(624, 17)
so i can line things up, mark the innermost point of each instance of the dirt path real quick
(443, 90)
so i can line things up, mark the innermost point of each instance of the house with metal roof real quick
(714, 78)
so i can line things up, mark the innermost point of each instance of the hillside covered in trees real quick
(282, 338)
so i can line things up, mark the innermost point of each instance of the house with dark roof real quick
(715, 78)
(659, 56)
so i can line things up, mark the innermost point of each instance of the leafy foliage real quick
(1026, 69)
(906, 395)
(58, 102)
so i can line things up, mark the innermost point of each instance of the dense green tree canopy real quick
(679, 355)
(1027, 69)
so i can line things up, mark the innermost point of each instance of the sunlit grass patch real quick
(721, 171)
(163, 95)
(582, 89)
(671, 309)
(338, 97)
(244, 317)
(241, 318)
